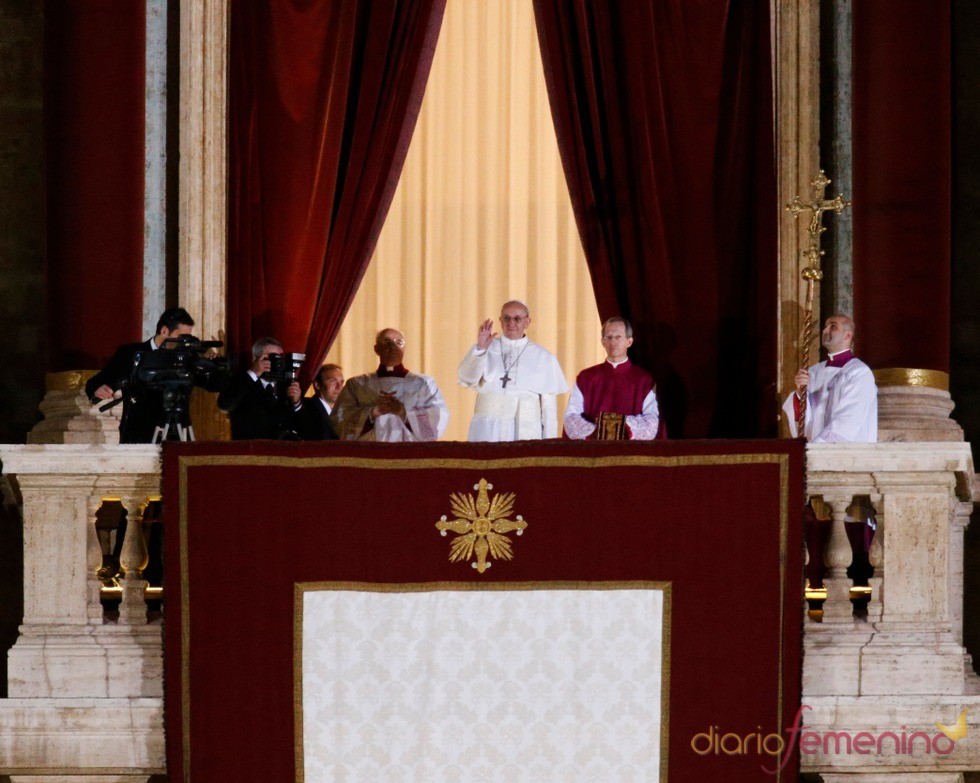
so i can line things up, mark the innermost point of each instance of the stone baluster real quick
(133, 559)
(96, 615)
(876, 556)
(837, 608)
(816, 521)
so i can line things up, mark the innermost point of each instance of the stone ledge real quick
(87, 459)
(89, 736)
(879, 714)
(878, 458)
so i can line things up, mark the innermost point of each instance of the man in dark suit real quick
(315, 414)
(258, 407)
(144, 412)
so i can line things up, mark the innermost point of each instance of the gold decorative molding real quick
(904, 376)
(68, 380)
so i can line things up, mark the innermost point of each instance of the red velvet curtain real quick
(323, 102)
(902, 183)
(94, 128)
(664, 116)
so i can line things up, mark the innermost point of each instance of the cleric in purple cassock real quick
(615, 399)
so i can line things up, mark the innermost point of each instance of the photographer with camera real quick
(264, 401)
(143, 409)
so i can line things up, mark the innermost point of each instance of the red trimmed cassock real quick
(613, 388)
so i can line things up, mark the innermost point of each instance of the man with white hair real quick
(391, 404)
(516, 380)
(841, 395)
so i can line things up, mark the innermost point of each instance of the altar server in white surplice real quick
(841, 395)
(517, 381)
(391, 404)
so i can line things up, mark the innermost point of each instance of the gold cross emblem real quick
(481, 524)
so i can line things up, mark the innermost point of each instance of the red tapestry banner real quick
(713, 527)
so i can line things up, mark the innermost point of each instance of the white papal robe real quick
(841, 405)
(517, 383)
(426, 414)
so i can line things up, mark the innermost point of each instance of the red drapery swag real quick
(323, 102)
(664, 116)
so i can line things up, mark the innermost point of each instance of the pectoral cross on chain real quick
(505, 378)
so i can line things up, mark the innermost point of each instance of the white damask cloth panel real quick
(516, 685)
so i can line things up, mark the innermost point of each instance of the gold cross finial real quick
(817, 207)
(812, 253)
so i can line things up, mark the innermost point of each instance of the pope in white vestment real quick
(841, 395)
(516, 380)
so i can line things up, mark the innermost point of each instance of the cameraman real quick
(260, 407)
(142, 414)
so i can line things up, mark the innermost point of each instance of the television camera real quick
(168, 374)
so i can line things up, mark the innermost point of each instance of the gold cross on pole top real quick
(812, 273)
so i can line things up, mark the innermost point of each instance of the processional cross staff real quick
(812, 273)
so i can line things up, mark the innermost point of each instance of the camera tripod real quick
(175, 403)
(162, 432)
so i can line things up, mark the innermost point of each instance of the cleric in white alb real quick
(391, 404)
(841, 395)
(517, 381)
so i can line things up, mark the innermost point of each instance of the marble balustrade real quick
(85, 695)
(901, 667)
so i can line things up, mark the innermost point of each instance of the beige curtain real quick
(481, 215)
